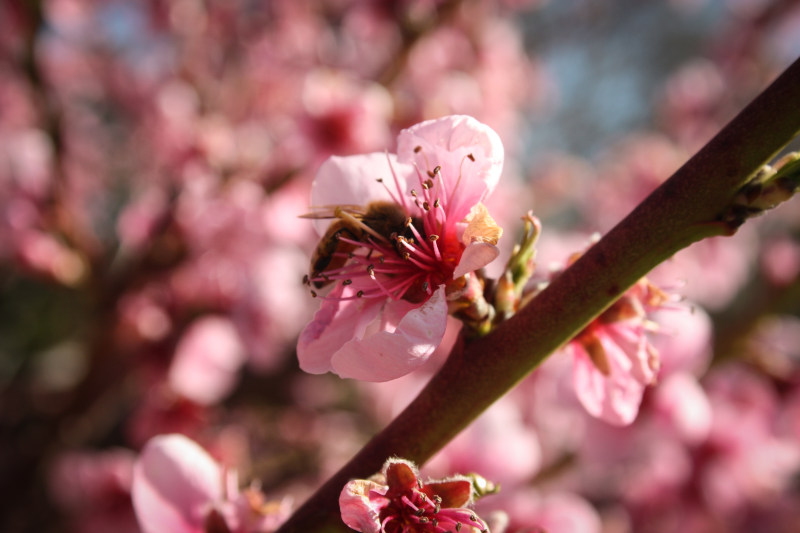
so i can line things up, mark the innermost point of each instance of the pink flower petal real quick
(390, 353)
(352, 180)
(333, 326)
(447, 142)
(475, 256)
(174, 484)
(614, 398)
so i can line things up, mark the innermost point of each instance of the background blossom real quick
(154, 157)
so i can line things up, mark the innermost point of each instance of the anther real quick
(406, 255)
(471, 157)
(426, 206)
(408, 222)
(433, 237)
(431, 174)
(313, 294)
(419, 512)
(458, 526)
(435, 522)
(473, 518)
(437, 499)
(347, 282)
(436, 203)
(426, 185)
(379, 180)
(360, 294)
(306, 281)
(429, 183)
(423, 519)
(417, 149)
(437, 169)
(371, 271)
(413, 193)
(425, 286)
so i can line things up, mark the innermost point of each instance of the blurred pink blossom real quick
(498, 445)
(93, 489)
(531, 511)
(207, 360)
(178, 487)
(388, 310)
(613, 358)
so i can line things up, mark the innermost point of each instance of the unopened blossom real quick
(613, 358)
(397, 501)
(407, 232)
(178, 487)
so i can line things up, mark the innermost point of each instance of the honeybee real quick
(380, 219)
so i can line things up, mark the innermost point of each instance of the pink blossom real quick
(178, 487)
(613, 358)
(397, 501)
(556, 512)
(388, 311)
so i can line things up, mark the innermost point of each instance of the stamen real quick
(460, 169)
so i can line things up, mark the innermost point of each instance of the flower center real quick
(399, 249)
(414, 512)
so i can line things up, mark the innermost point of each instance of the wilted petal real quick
(360, 503)
(174, 484)
(391, 353)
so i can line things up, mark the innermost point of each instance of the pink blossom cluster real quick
(165, 367)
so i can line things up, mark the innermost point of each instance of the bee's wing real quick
(330, 211)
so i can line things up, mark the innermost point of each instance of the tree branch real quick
(686, 208)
